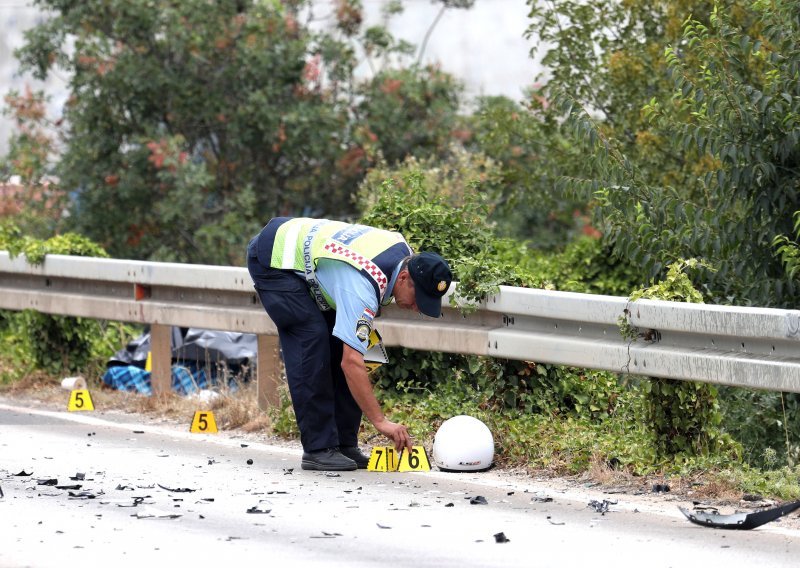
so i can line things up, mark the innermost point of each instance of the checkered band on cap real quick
(366, 264)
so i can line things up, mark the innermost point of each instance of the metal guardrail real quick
(749, 347)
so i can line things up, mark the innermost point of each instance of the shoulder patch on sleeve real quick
(364, 324)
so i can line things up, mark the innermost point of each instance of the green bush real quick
(57, 344)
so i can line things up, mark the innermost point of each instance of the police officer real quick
(322, 283)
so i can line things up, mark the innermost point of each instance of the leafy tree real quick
(35, 203)
(523, 138)
(409, 112)
(709, 167)
(189, 124)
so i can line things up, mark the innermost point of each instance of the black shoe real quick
(329, 459)
(355, 454)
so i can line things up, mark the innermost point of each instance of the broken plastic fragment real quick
(177, 489)
(478, 500)
(23, 474)
(326, 535)
(151, 513)
(739, 521)
(256, 511)
(82, 495)
(47, 482)
(501, 537)
(380, 526)
(74, 487)
(601, 507)
(78, 477)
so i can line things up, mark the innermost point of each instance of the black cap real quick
(432, 278)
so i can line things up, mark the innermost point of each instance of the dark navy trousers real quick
(327, 415)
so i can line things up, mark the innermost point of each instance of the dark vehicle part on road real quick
(739, 521)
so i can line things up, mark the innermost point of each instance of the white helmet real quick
(463, 443)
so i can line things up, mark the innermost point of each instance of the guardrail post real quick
(161, 353)
(268, 375)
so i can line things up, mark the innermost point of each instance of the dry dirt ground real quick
(238, 414)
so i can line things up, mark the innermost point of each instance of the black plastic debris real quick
(156, 514)
(552, 522)
(380, 526)
(501, 537)
(47, 482)
(124, 488)
(78, 477)
(538, 499)
(601, 506)
(177, 489)
(73, 487)
(660, 488)
(288, 470)
(23, 474)
(326, 535)
(244, 445)
(138, 431)
(258, 511)
(135, 503)
(81, 495)
(478, 500)
(449, 504)
(1, 493)
(739, 521)
(332, 474)
(249, 462)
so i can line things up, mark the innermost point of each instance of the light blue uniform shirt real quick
(354, 296)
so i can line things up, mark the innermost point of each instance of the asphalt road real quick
(158, 494)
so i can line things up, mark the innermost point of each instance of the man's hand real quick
(361, 388)
(397, 433)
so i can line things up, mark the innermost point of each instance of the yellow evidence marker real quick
(80, 399)
(204, 423)
(415, 460)
(383, 458)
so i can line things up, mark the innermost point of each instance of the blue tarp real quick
(186, 379)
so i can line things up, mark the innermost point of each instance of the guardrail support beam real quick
(161, 354)
(268, 375)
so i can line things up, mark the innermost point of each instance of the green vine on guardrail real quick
(684, 415)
